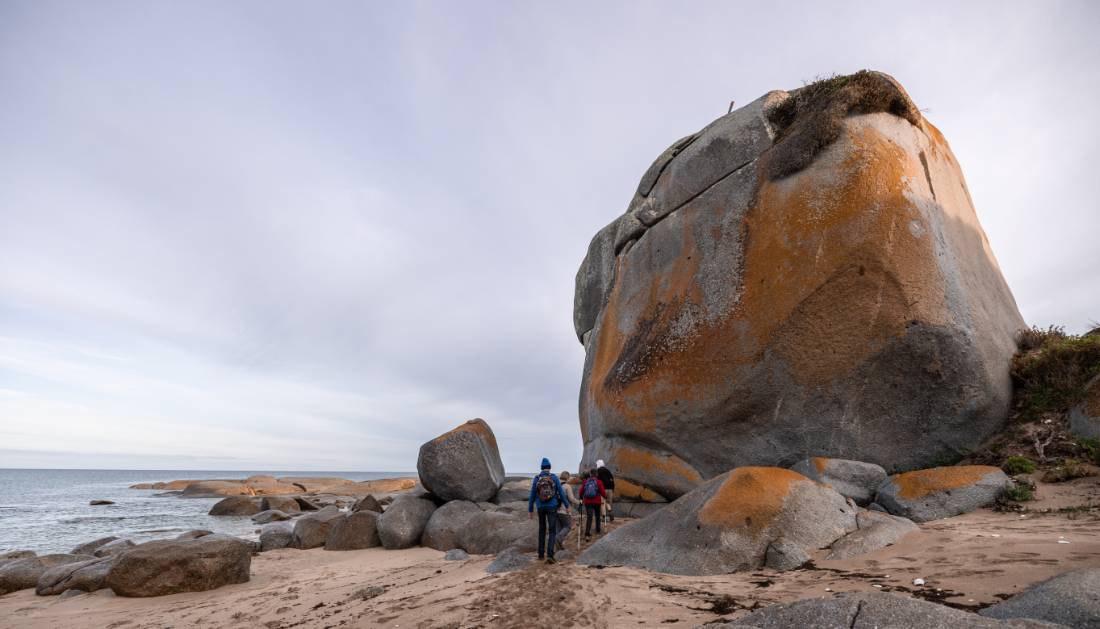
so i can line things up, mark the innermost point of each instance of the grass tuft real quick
(812, 117)
(1016, 464)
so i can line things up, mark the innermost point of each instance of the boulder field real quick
(805, 276)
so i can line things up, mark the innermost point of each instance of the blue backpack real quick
(590, 490)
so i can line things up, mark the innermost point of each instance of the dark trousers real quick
(591, 512)
(548, 522)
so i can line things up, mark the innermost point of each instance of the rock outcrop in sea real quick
(805, 276)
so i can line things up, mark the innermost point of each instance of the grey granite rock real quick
(733, 318)
(508, 561)
(403, 522)
(276, 535)
(355, 531)
(444, 528)
(463, 464)
(172, 566)
(1071, 599)
(311, 530)
(876, 530)
(941, 492)
(871, 610)
(745, 519)
(852, 479)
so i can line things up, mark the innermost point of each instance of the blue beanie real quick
(545, 463)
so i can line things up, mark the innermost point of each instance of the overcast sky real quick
(311, 236)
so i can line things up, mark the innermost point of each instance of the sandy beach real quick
(969, 561)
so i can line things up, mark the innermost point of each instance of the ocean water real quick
(47, 511)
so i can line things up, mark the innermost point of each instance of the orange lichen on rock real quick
(637, 463)
(749, 499)
(821, 462)
(476, 426)
(919, 483)
(626, 490)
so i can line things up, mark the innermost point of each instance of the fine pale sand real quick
(969, 561)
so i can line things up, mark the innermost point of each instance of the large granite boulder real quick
(745, 519)
(86, 576)
(941, 492)
(463, 464)
(354, 531)
(172, 566)
(875, 530)
(24, 573)
(805, 276)
(311, 531)
(871, 610)
(236, 505)
(445, 527)
(1071, 599)
(276, 535)
(1084, 417)
(493, 532)
(852, 479)
(514, 490)
(404, 520)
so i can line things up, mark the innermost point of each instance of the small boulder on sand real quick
(276, 535)
(941, 492)
(24, 573)
(403, 522)
(1071, 599)
(462, 464)
(310, 531)
(456, 554)
(491, 532)
(852, 479)
(99, 503)
(444, 528)
(867, 610)
(236, 505)
(745, 519)
(508, 561)
(354, 531)
(876, 530)
(172, 566)
(86, 576)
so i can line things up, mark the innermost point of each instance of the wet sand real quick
(969, 561)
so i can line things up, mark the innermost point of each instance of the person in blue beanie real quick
(546, 494)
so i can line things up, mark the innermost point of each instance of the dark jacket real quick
(600, 495)
(606, 477)
(552, 504)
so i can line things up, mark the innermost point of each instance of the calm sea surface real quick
(47, 511)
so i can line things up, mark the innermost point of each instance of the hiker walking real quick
(564, 514)
(608, 480)
(592, 493)
(547, 494)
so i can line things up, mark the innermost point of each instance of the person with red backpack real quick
(592, 493)
(546, 492)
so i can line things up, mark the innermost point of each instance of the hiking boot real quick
(550, 560)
